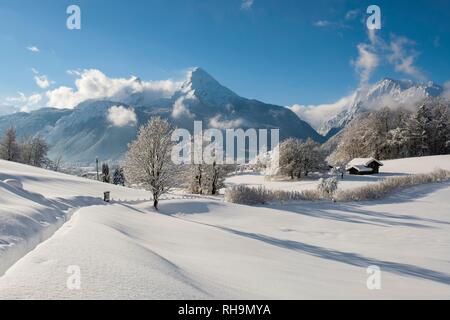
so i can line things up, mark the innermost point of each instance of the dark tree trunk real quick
(155, 204)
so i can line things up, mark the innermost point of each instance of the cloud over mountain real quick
(316, 115)
(120, 116)
(94, 84)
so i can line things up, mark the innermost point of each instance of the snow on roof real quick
(362, 162)
(361, 168)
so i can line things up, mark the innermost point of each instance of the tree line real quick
(28, 150)
(400, 133)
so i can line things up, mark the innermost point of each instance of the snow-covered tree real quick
(297, 157)
(148, 160)
(311, 157)
(391, 134)
(440, 142)
(420, 131)
(215, 176)
(328, 187)
(206, 177)
(289, 158)
(9, 148)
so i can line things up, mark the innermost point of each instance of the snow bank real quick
(14, 183)
(26, 219)
(34, 203)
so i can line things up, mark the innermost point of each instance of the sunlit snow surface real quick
(205, 248)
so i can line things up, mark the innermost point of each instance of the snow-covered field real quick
(205, 248)
(390, 168)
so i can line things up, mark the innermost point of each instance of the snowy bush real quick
(327, 187)
(259, 195)
(391, 184)
(246, 195)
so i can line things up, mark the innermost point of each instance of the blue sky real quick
(278, 51)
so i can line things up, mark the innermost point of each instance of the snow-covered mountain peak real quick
(385, 93)
(389, 86)
(205, 87)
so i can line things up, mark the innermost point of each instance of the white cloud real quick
(180, 109)
(330, 24)
(74, 72)
(33, 49)
(402, 55)
(42, 81)
(316, 115)
(34, 99)
(25, 103)
(217, 123)
(322, 23)
(120, 116)
(352, 14)
(247, 4)
(7, 109)
(398, 52)
(366, 63)
(94, 84)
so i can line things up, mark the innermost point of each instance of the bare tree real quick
(206, 177)
(34, 151)
(148, 161)
(9, 148)
(57, 163)
(39, 149)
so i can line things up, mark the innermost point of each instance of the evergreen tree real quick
(420, 131)
(119, 177)
(105, 173)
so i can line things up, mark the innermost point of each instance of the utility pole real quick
(96, 165)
